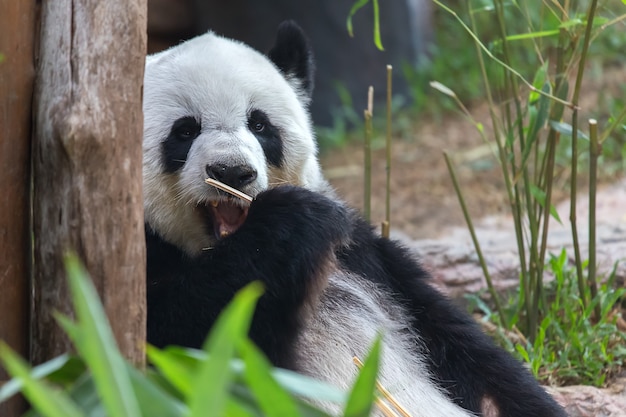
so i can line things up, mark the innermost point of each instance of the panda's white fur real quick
(218, 83)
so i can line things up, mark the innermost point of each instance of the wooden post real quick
(17, 73)
(87, 166)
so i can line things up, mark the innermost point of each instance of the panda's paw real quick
(302, 216)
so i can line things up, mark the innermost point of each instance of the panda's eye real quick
(186, 128)
(258, 127)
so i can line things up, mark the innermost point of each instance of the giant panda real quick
(215, 108)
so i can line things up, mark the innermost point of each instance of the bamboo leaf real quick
(539, 82)
(572, 23)
(531, 35)
(377, 41)
(538, 121)
(355, 8)
(442, 88)
(566, 129)
(540, 196)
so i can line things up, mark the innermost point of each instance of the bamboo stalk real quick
(535, 279)
(503, 158)
(579, 79)
(594, 153)
(388, 411)
(479, 252)
(235, 192)
(386, 226)
(367, 151)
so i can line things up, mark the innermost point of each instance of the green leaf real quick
(537, 122)
(230, 328)
(46, 400)
(273, 400)
(236, 407)
(540, 196)
(304, 386)
(296, 384)
(94, 341)
(377, 41)
(171, 367)
(442, 88)
(538, 82)
(572, 23)
(523, 353)
(14, 386)
(532, 35)
(363, 392)
(566, 129)
(152, 399)
(355, 8)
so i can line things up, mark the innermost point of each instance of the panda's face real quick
(214, 108)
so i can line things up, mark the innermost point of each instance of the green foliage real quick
(527, 128)
(358, 4)
(541, 54)
(228, 377)
(572, 346)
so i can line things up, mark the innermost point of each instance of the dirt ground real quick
(423, 203)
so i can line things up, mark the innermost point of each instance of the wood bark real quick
(17, 73)
(87, 166)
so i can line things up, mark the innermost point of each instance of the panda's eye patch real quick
(186, 128)
(257, 121)
(177, 144)
(268, 135)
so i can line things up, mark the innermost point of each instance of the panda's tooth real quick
(224, 233)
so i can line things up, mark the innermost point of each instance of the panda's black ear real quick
(292, 54)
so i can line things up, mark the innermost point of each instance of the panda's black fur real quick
(322, 265)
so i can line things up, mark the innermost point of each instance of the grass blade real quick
(14, 386)
(152, 399)
(46, 400)
(94, 340)
(210, 399)
(172, 369)
(272, 398)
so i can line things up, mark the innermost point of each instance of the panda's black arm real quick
(287, 242)
(464, 360)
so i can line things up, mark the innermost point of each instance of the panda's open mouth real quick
(225, 216)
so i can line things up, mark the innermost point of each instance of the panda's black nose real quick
(234, 175)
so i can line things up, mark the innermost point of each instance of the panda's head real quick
(214, 107)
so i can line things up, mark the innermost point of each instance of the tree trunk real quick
(17, 40)
(87, 166)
